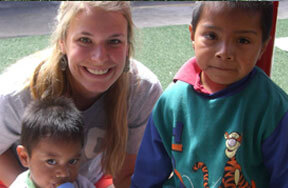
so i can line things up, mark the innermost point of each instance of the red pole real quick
(265, 62)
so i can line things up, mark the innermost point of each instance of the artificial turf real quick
(162, 49)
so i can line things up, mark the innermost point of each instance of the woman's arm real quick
(123, 179)
(9, 167)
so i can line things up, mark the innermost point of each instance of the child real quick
(52, 140)
(223, 123)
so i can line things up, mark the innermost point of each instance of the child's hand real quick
(66, 185)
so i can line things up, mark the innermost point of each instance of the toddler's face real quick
(54, 162)
(227, 44)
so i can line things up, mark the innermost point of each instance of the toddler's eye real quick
(51, 161)
(73, 161)
(85, 40)
(210, 36)
(243, 41)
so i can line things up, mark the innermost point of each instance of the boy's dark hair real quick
(51, 118)
(264, 7)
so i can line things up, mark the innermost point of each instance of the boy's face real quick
(227, 45)
(52, 162)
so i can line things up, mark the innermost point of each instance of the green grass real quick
(282, 28)
(280, 69)
(12, 49)
(162, 49)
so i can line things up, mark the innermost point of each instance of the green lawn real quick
(162, 49)
(12, 49)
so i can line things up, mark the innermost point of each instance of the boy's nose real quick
(225, 51)
(62, 172)
(99, 54)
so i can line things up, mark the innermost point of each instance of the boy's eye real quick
(73, 161)
(85, 40)
(243, 41)
(210, 36)
(51, 161)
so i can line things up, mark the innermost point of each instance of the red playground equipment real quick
(265, 62)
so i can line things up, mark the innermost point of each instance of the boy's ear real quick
(191, 35)
(191, 32)
(23, 155)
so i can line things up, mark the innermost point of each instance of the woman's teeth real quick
(97, 72)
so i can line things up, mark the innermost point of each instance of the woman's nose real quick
(99, 54)
(225, 51)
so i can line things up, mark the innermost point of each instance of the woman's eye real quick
(114, 41)
(85, 40)
(73, 161)
(51, 161)
(243, 41)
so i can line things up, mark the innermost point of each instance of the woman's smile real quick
(97, 71)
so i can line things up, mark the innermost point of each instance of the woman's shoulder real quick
(14, 95)
(142, 73)
(12, 106)
(145, 89)
(143, 82)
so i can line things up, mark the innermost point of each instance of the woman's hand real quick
(123, 179)
(9, 167)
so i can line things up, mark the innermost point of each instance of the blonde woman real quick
(90, 62)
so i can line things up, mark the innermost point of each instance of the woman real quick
(89, 61)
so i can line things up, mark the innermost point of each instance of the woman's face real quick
(96, 46)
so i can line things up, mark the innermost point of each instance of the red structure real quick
(265, 62)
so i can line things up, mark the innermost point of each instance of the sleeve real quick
(145, 90)
(10, 121)
(153, 165)
(83, 182)
(275, 153)
(20, 180)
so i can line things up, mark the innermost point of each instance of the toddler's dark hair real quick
(51, 118)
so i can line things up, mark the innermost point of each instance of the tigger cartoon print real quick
(232, 177)
(233, 142)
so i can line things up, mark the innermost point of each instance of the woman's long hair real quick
(50, 81)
